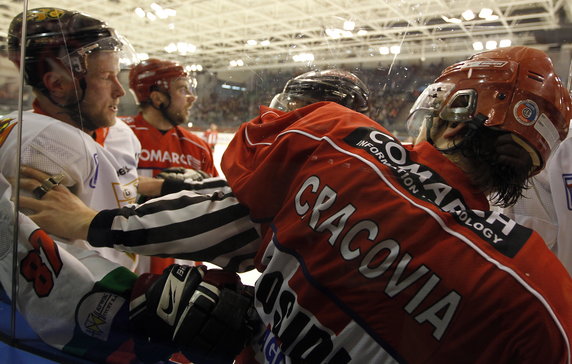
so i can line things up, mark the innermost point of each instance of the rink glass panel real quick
(394, 82)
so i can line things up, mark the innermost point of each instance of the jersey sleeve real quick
(213, 228)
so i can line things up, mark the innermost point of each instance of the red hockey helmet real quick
(154, 75)
(514, 89)
(66, 36)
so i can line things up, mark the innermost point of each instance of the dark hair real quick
(504, 176)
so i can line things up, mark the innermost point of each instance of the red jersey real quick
(177, 147)
(373, 252)
(211, 137)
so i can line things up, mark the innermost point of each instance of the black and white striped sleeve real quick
(214, 228)
(204, 186)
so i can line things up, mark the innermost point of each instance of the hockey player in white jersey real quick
(72, 63)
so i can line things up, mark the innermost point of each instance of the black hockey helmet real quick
(66, 36)
(338, 86)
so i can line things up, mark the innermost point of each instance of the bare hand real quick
(59, 211)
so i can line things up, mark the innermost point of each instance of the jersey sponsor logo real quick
(171, 159)
(123, 171)
(313, 204)
(96, 312)
(5, 128)
(567, 179)
(93, 179)
(293, 331)
(422, 182)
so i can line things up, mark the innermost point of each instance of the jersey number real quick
(33, 267)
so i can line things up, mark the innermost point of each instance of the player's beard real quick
(174, 117)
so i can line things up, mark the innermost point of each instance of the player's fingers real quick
(33, 173)
(30, 203)
(29, 184)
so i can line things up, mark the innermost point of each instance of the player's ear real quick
(157, 99)
(57, 83)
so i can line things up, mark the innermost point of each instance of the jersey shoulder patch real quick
(6, 126)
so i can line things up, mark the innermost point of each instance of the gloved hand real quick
(207, 314)
(184, 174)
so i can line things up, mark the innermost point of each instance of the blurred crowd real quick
(393, 90)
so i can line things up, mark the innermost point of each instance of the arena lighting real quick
(194, 68)
(384, 50)
(505, 43)
(349, 25)
(451, 20)
(303, 57)
(236, 63)
(485, 13)
(468, 14)
(478, 46)
(251, 42)
(157, 12)
(336, 33)
(395, 49)
(265, 43)
(491, 44)
(171, 48)
(151, 16)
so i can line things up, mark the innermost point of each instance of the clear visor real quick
(115, 43)
(288, 102)
(435, 101)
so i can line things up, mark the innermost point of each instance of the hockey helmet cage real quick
(338, 86)
(155, 75)
(64, 35)
(513, 89)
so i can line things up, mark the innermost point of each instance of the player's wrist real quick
(96, 228)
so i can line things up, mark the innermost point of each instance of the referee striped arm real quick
(187, 225)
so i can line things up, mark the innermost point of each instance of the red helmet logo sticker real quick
(526, 112)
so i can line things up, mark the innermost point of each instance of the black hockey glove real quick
(207, 314)
(184, 174)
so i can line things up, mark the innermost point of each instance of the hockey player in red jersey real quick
(371, 251)
(165, 93)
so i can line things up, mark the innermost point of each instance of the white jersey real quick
(73, 298)
(102, 177)
(547, 206)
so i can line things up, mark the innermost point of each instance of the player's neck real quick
(156, 119)
(43, 105)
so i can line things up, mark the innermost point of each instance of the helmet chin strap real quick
(473, 125)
